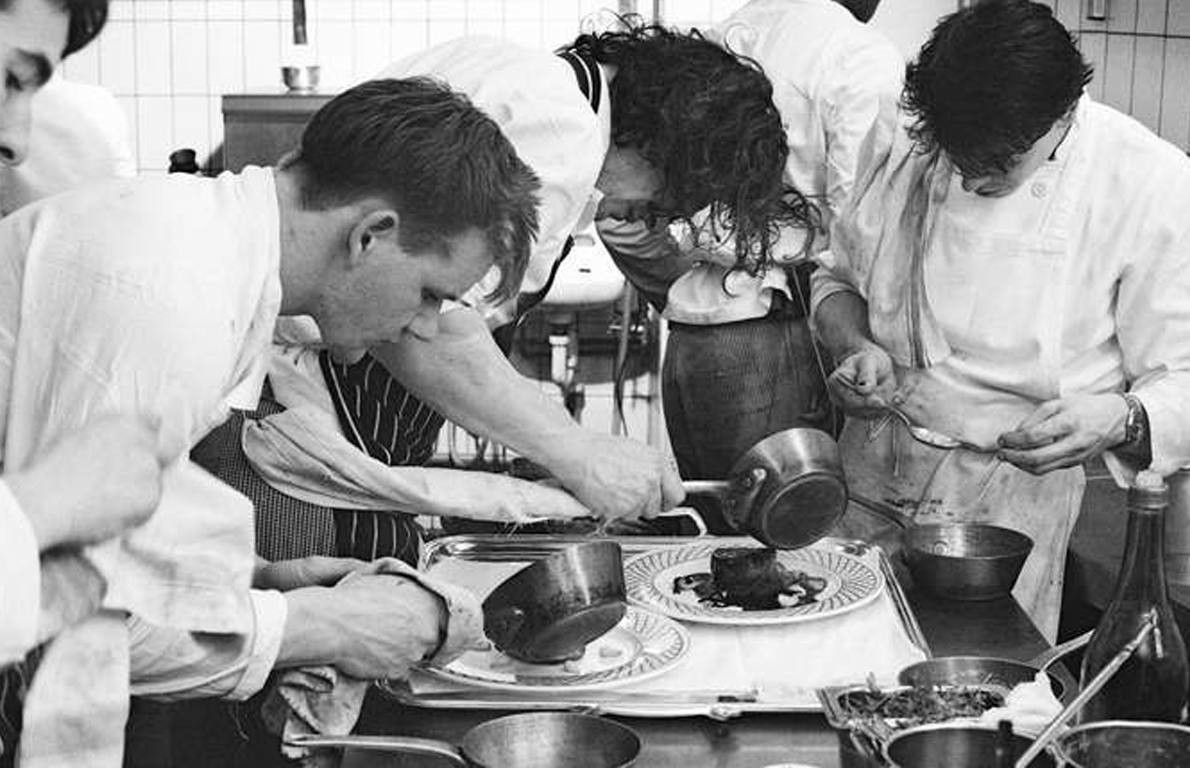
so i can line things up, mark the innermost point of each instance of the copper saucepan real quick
(549, 610)
(524, 740)
(787, 490)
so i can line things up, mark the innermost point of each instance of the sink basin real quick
(587, 278)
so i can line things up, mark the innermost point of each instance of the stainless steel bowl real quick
(301, 79)
(973, 670)
(1116, 743)
(965, 561)
(950, 745)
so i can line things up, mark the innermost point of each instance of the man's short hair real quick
(992, 80)
(87, 18)
(704, 117)
(442, 164)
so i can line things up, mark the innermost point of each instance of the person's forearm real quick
(20, 580)
(841, 323)
(463, 374)
(309, 638)
(171, 664)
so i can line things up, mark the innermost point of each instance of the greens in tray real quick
(915, 706)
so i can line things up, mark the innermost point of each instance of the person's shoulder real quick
(810, 41)
(471, 52)
(1135, 150)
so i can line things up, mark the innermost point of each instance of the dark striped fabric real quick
(288, 528)
(14, 686)
(378, 415)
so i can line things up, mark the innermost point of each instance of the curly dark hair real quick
(992, 80)
(438, 160)
(704, 118)
(87, 18)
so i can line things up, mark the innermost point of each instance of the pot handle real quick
(1046, 658)
(716, 488)
(688, 512)
(405, 744)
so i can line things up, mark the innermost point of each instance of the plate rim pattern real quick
(861, 584)
(646, 624)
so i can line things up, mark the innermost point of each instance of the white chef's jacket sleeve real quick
(20, 580)
(864, 84)
(532, 95)
(1153, 326)
(856, 227)
(171, 664)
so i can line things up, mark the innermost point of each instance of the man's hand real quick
(863, 383)
(367, 626)
(93, 484)
(314, 571)
(617, 477)
(1065, 432)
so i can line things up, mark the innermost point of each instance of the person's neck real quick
(306, 237)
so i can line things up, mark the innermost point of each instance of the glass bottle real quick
(1151, 685)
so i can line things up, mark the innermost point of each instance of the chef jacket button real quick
(1039, 189)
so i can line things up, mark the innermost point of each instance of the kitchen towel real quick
(324, 701)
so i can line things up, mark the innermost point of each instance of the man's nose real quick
(15, 117)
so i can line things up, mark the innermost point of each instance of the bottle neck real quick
(1142, 575)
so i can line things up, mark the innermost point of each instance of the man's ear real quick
(375, 228)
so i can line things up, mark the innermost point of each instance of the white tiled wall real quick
(169, 61)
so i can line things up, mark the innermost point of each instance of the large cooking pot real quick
(1116, 743)
(525, 740)
(957, 745)
(549, 610)
(787, 490)
(982, 670)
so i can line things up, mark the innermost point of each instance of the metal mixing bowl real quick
(965, 561)
(950, 745)
(973, 670)
(300, 79)
(1115, 743)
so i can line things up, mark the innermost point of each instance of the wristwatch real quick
(1136, 424)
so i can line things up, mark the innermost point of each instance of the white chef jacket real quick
(534, 98)
(831, 75)
(78, 135)
(158, 296)
(1097, 301)
(20, 580)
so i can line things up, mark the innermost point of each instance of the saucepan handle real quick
(716, 488)
(404, 744)
(688, 512)
(1046, 658)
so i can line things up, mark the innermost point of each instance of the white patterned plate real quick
(641, 646)
(649, 578)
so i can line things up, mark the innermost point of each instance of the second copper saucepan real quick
(787, 490)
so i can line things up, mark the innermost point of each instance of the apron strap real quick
(590, 82)
(380, 417)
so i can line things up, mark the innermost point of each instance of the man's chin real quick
(347, 355)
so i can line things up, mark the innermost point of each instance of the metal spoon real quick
(916, 431)
(928, 436)
(1046, 736)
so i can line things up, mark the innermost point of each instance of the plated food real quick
(704, 583)
(750, 578)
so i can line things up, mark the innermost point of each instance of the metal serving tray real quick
(709, 703)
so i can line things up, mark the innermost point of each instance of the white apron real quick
(993, 276)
